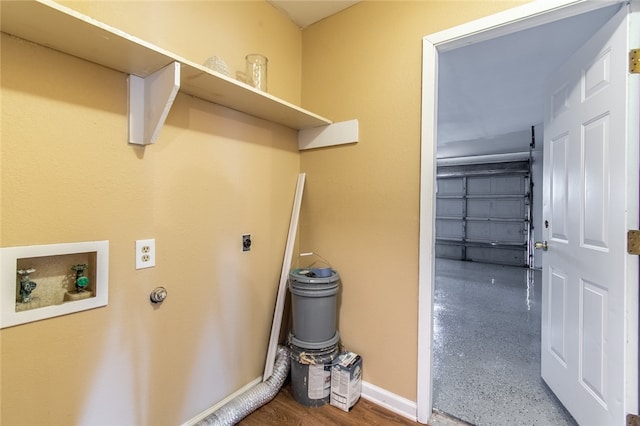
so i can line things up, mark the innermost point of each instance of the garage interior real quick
(486, 330)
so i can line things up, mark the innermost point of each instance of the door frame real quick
(521, 18)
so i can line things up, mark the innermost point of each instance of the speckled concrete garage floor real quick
(487, 346)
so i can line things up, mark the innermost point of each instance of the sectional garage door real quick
(483, 214)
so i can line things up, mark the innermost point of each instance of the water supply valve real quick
(26, 285)
(81, 281)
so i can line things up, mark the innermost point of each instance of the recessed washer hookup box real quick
(346, 380)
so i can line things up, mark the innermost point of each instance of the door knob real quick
(541, 245)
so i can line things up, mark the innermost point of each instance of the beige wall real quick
(361, 208)
(197, 30)
(67, 174)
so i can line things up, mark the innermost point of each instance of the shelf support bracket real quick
(150, 100)
(340, 133)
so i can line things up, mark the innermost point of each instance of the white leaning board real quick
(284, 275)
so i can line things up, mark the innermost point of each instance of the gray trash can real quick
(313, 308)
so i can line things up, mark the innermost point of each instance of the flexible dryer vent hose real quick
(246, 403)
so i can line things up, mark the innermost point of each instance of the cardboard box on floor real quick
(346, 380)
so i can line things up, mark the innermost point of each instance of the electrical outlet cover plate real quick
(145, 253)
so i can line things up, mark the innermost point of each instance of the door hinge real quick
(634, 61)
(633, 241)
(633, 420)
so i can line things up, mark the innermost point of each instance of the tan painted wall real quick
(68, 174)
(361, 208)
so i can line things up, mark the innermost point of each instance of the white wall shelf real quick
(55, 26)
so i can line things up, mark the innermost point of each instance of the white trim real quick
(388, 400)
(370, 392)
(510, 21)
(633, 132)
(520, 18)
(426, 272)
(219, 405)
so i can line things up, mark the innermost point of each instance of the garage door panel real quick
(450, 251)
(512, 232)
(503, 256)
(451, 229)
(495, 185)
(482, 213)
(450, 207)
(451, 186)
(499, 208)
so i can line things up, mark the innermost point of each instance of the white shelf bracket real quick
(332, 134)
(150, 101)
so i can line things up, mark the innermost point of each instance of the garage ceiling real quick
(495, 87)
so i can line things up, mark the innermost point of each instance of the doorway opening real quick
(479, 108)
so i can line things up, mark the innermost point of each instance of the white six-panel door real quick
(590, 298)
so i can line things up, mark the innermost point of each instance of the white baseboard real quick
(370, 392)
(215, 407)
(390, 401)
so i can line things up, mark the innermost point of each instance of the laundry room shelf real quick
(63, 29)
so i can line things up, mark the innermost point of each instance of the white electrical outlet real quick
(145, 253)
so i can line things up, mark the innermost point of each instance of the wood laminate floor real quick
(284, 410)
